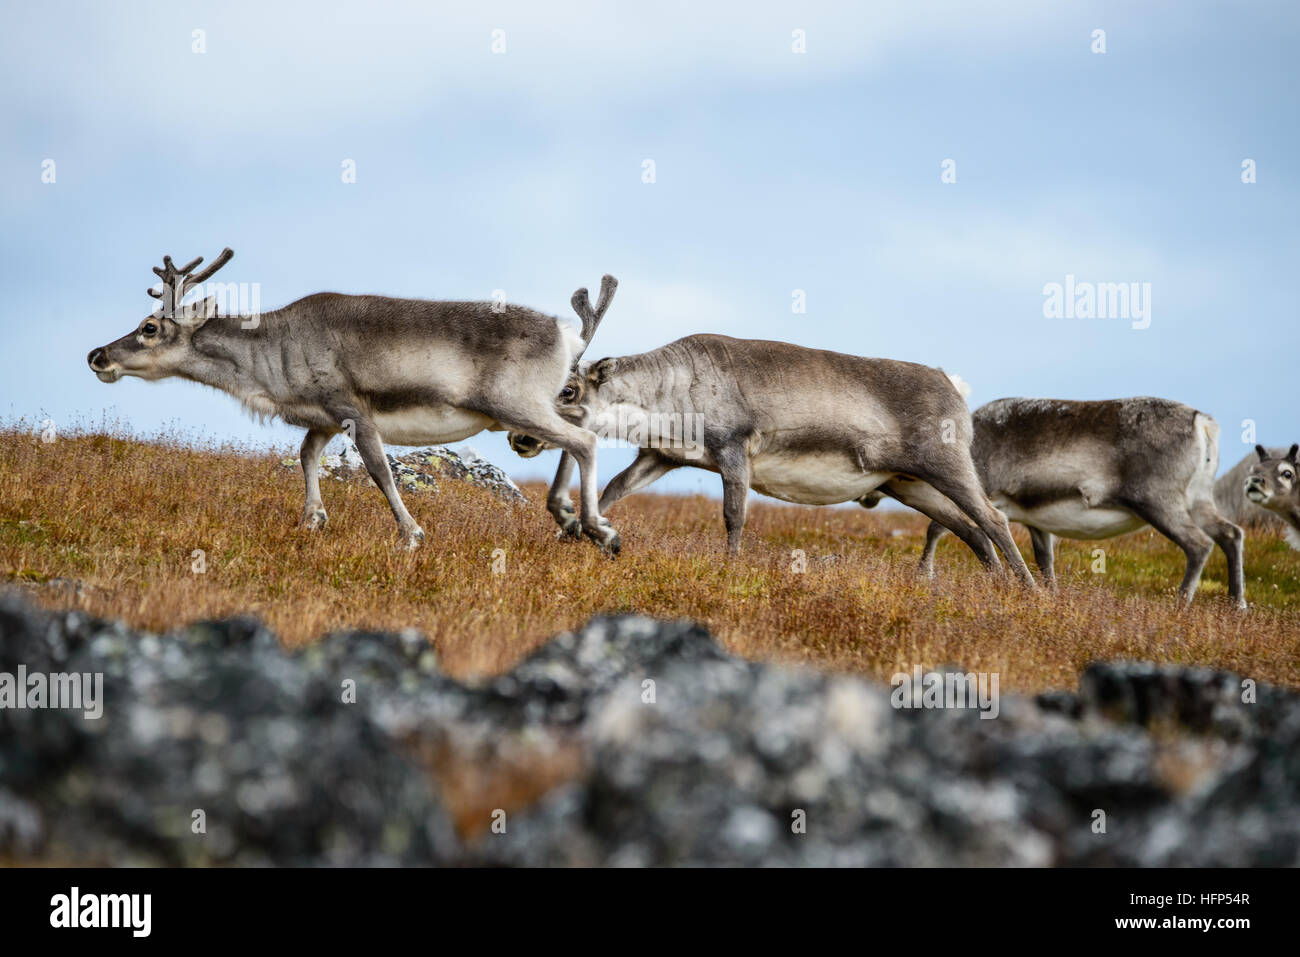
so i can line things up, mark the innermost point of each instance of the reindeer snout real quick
(103, 367)
(524, 445)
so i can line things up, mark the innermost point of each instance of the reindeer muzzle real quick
(101, 365)
(525, 446)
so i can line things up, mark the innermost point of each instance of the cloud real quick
(130, 69)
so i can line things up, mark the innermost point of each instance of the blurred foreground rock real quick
(630, 742)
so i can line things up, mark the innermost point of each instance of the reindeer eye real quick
(568, 393)
(150, 329)
(1286, 474)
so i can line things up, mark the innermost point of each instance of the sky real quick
(775, 171)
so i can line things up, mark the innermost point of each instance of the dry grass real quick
(124, 517)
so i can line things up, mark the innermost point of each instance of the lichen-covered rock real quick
(420, 471)
(213, 747)
(644, 743)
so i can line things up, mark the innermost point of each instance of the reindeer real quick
(402, 371)
(801, 425)
(1092, 470)
(1230, 494)
(1274, 484)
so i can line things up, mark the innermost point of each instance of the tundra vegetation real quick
(115, 526)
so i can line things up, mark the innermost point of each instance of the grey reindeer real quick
(401, 371)
(802, 425)
(1273, 485)
(1092, 470)
(1230, 493)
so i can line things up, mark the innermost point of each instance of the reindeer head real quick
(159, 346)
(580, 402)
(1274, 483)
(570, 402)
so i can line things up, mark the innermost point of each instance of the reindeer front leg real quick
(313, 510)
(734, 466)
(542, 422)
(582, 445)
(649, 466)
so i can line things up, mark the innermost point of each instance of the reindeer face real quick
(1273, 483)
(582, 396)
(155, 349)
(578, 402)
(160, 345)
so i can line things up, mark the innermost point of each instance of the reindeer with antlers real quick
(401, 371)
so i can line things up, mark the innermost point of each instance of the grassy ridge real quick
(124, 518)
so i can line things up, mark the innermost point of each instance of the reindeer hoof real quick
(606, 537)
(567, 519)
(413, 538)
(314, 519)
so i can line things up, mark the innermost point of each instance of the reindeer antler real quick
(591, 317)
(176, 283)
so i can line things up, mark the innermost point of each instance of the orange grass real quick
(123, 518)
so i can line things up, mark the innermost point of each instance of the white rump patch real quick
(1201, 487)
(572, 340)
(960, 384)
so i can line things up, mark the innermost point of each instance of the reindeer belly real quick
(812, 478)
(430, 425)
(1072, 518)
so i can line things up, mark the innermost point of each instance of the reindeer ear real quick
(1292, 454)
(602, 371)
(1261, 452)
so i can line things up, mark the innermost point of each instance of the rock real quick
(628, 742)
(214, 719)
(420, 471)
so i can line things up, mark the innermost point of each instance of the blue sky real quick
(775, 171)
